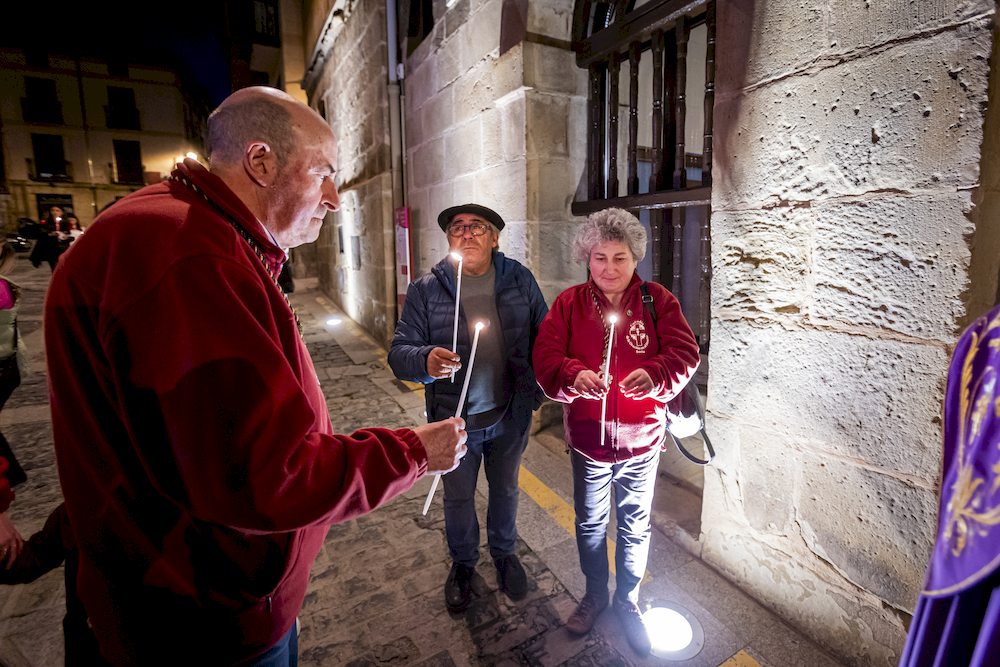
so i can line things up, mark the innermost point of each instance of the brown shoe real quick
(582, 620)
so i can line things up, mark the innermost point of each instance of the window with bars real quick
(651, 71)
(416, 22)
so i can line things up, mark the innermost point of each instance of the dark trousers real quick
(501, 446)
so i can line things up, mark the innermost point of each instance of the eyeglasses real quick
(477, 229)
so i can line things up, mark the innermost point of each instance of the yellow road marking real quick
(741, 659)
(548, 500)
(560, 510)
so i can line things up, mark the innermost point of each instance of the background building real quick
(81, 132)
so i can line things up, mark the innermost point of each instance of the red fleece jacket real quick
(6, 494)
(196, 456)
(573, 337)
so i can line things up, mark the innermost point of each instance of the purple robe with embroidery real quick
(957, 620)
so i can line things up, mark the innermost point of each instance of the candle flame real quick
(456, 256)
(613, 319)
(480, 326)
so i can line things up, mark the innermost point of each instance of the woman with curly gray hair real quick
(655, 354)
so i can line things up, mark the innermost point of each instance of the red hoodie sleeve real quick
(554, 370)
(6, 494)
(678, 357)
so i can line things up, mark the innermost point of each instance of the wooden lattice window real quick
(654, 62)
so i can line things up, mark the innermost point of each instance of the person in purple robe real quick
(957, 620)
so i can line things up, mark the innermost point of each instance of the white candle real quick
(458, 291)
(612, 319)
(461, 404)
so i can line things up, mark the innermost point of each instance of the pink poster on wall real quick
(401, 217)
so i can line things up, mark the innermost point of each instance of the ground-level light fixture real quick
(333, 321)
(674, 632)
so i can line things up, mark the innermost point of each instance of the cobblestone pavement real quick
(376, 592)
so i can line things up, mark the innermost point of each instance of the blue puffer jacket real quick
(428, 320)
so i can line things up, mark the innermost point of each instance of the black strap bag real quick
(685, 413)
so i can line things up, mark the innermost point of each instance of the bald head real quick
(279, 158)
(257, 114)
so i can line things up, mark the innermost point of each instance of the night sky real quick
(185, 34)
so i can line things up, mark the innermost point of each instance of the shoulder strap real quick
(689, 390)
(647, 300)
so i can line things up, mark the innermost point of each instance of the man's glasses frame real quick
(477, 229)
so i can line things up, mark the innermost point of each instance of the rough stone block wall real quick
(505, 131)
(848, 144)
(353, 88)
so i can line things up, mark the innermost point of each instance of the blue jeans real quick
(633, 482)
(283, 654)
(502, 446)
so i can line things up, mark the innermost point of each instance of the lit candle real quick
(461, 404)
(612, 319)
(458, 291)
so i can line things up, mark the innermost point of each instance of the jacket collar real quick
(215, 191)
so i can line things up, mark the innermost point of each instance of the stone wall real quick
(847, 153)
(351, 85)
(503, 130)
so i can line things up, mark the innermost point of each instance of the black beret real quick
(446, 216)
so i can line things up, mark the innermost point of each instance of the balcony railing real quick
(122, 118)
(50, 171)
(39, 110)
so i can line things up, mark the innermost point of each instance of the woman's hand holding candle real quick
(590, 385)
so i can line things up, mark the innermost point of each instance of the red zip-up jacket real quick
(196, 456)
(573, 337)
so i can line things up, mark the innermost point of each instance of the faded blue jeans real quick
(501, 446)
(633, 482)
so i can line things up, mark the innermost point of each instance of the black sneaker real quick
(635, 630)
(511, 577)
(458, 587)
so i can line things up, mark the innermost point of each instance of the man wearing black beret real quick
(502, 393)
